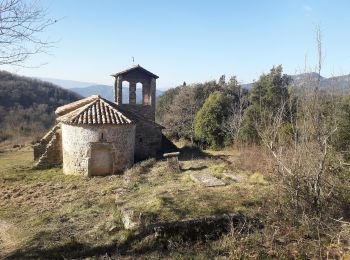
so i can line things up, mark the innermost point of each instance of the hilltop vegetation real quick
(177, 108)
(299, 124)
(27, 106)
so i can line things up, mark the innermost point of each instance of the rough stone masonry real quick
(94, 136)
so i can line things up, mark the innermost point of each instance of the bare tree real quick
(21, 22)
(233, 124)
(307, 161)
(181, 115)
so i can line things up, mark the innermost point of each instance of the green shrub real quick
(210, 118)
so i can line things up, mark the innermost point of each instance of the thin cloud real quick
(307, 8)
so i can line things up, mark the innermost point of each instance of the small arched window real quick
(139, 96)
(126, 88)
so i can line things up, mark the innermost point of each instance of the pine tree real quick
(266, 97)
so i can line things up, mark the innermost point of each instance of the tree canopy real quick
(266, 97)
(210, 119)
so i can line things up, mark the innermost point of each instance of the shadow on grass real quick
(162, 235)
(195, 153)
(70, 249)
(76, 250)
(199, 168)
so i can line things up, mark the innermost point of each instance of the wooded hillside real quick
(27, 106)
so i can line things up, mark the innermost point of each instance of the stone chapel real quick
(94, 136)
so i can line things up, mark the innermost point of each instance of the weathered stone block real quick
(233, 176)
(130, 220)
(207, 180)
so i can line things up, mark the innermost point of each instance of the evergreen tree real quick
(222, 81)
(266, 97)
(210, 118)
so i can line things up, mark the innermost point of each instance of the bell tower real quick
(136, 75)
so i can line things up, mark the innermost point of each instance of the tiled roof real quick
(65, 109)
(98, 112)
(135, 67)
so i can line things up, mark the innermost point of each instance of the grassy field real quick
(44, 213)
(48, 213)
(160, 195)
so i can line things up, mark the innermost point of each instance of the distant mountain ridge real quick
(102, 90)
(340, 82)
(67, 84)
(86, 89)
(107, 92)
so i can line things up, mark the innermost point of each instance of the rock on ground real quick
(207, 180)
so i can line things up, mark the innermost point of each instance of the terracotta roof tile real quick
(98, 112)
(65, 109)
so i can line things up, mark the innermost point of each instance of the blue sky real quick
(191, 40)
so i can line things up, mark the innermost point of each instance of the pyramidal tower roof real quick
(136, 67)
(93, 110)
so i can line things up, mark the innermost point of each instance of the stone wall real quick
(40, 147)
(148, 141)
(143, 111)
(77, 142)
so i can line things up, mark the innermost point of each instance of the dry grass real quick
(159, 195)
(41, 212)
(45, 214)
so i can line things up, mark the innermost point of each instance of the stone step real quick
(40, 147)
(52, 155)
(207, 180)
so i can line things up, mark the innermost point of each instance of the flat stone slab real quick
(233, 176)
(207, 180)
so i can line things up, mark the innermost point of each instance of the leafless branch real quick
(21, 23)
